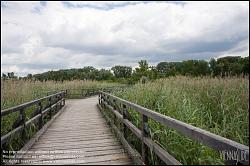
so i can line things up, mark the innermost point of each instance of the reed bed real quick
(219, 105)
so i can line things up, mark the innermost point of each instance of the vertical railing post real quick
(99, 98)
(50, 113)
(23, 118)
(87, 92)
(125, 116)
(64, 95)
(60, 99)
(114, 104)
(107, 100)
(114, 116)
(102, 100)
(56, 102)
(40, 123)
(145, 133)
(59, 102)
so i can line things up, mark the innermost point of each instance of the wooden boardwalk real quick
(79, 135)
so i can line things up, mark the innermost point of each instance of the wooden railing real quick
(108, 101)
(54, 103)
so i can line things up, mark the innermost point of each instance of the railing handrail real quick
(212, 140)
(27, 104)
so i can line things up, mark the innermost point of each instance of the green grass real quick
(15, 92)
(218, 105)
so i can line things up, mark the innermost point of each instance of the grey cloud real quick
(61, 37)
(43, 66)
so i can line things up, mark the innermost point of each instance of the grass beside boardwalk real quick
(15, 92)
(219, 105)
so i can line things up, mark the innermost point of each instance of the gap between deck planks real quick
(82, 131)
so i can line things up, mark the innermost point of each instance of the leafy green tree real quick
(212, 65)
(105, 74)
(245, 65)
(122, 71)
(11, 75)
(169, 68)
(29, 76)
(142, 70)
(195, 67)
(4, 76)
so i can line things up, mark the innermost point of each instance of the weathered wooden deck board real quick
(79, 135)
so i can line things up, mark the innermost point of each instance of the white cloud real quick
(103, 34)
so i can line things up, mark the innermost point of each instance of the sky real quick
(41, 36)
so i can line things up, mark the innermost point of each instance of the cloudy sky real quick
(42, 36)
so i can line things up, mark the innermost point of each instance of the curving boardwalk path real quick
(79, 135)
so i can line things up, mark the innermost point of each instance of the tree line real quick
(225, 66)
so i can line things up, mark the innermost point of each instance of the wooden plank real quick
(72, 132)
(55, 141)
(75, 127)
(61, 134)
(81, 121)
(76, 140)
(91, 127)
(80, 146)
(50, 135)
(79, 143)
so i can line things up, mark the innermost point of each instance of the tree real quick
(229, 66)
(212, 65)
(162, 68)
(122, 71)
(4, 76)
(29, 76)
(169, 68)
(245, 65)
(153, 74)
(195, 67)
(142, 70)
(105, 74)
(143, 66)
(11, 75)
